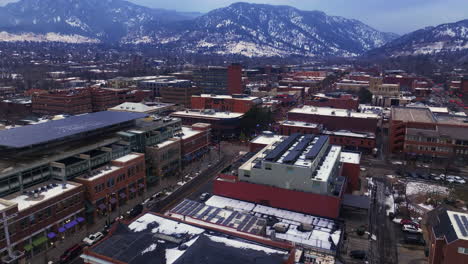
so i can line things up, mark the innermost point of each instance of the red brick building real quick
(323, 205)
(449, 238)
(464, 84)
(40, 216)
(342, 101)
(235, 79)
(236, 103)
(109, 187)
(288, 128)
(420, 132)
(62, 102)
(103, 99)
(195, 141)
(352, 140)
(336, 119)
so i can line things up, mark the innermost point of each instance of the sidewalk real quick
(59, 248)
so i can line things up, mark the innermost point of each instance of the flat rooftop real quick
(350, 157)
(346, 133)
(299, 124)
(327, 111)
(267, 139)
(140, 107)
(325, 234)
(40, 193)
(59, 129)
(207, 114)
(129, 157)
(236, 97)
(153, 239)
(412, 114)
(188, 132)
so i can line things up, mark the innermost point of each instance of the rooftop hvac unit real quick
(280, 227)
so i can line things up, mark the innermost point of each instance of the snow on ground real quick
(413, 188)
(49, 37)
(426, 206)
(242, 245)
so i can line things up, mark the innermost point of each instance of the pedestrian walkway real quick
(195, 168)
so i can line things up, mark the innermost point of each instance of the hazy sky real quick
(399, 16)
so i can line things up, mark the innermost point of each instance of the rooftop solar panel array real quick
(212, 214)
(315, 150)
(55, 130)
(282, 148)
(461, 225)
(296, 152)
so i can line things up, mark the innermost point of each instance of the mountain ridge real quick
(252, 30)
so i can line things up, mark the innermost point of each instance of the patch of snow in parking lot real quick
(424, 188)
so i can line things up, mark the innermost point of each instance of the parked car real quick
(93, 238)
(411, 229)
(358, 254)
(71, 253)
(204, 196)
(138, 209)
(409, 222)
(415, 239)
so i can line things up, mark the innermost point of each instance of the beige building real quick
(377, 87)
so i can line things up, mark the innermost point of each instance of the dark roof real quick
(444, 228)
(207, 251)
(131, 247)
(360, 202)
(55, 130)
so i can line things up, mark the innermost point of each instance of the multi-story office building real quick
(157, 138)
(67, 102)
(421, 132)
(336, 119)
(223, 124)
(233, 103)
(156, 86)
(180, 95)
(195, 141)
(61, 149)
(220, 80)
(377, 87)
(110, 186)
(34, 219)
(290, 173)
(342, 101)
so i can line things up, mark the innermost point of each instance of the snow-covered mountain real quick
(92, 20)
(439, 40)
(267, 30)
(242, 29)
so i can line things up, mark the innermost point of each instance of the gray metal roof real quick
(55, 130)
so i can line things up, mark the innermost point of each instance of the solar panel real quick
(282, 147)
(220, 220)
(229, 219)
(465, 221)
(249, 224)
(58, 129)
(460, 225)
(179, 206)
(196, 210)
(298, 149)
(315, 150)
(213, 215)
